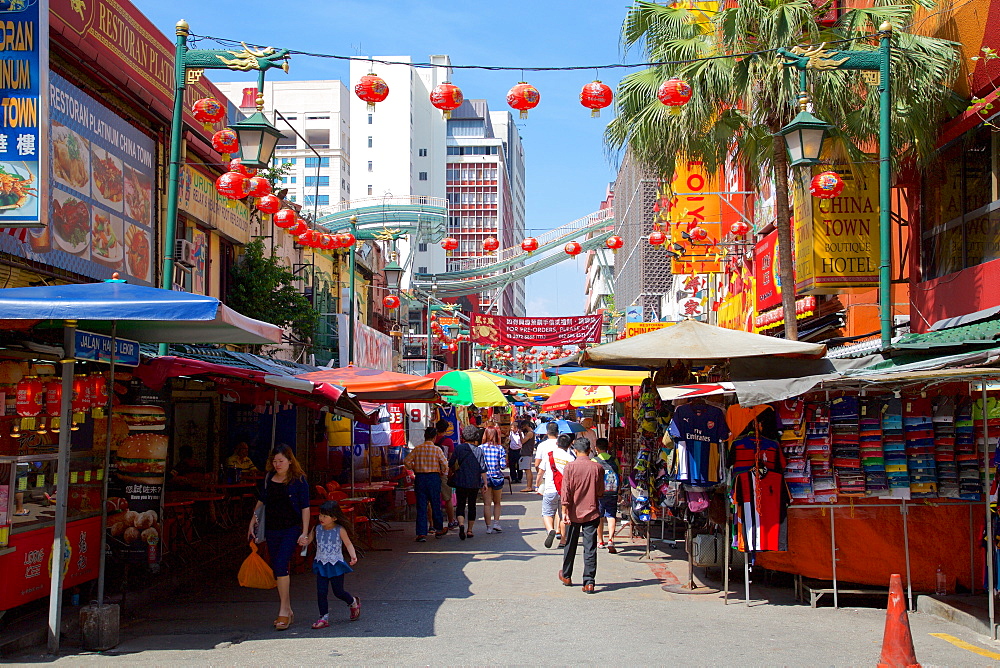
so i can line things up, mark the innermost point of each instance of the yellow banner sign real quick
(837, 239)
(634, 328)
(696, 204)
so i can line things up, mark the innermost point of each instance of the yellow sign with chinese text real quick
(696, 204)
(636, 328)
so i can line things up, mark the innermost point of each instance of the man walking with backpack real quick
(608, 503)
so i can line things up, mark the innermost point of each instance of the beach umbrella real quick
(470, 388)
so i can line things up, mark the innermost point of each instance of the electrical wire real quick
(225, 41)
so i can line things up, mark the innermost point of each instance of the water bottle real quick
(941, 586)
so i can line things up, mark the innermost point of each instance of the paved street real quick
(495, 599)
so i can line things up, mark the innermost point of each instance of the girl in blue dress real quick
(332, 538)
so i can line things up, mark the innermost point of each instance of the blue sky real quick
(568, 168)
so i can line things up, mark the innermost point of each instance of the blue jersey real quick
(699, 430)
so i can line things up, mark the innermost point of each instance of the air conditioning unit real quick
(184, 253)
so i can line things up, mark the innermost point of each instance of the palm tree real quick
(739, 104)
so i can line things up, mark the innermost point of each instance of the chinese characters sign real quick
(24, 38)
(767, 273)
(503, 330)
(696, 203)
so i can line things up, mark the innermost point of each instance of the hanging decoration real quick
(28, 401)
(529, 245)
(447, 97)
(269, 204)
(98, 394)
(298, 227)
(225, 142)
(596, 96)
(826, 185)
(523, 97)
(614, 242)
(674, 93)
(390, 301)
(449, 243)
(236, 165)
(53, 397)
(80, 403)
(208, 111)
(698, 233)
(490, 244)
(657, 238)
(347, 240)
(285, 218)
(572, 248)
(740, 228)
(372, 88)
(233, 186)
(259, 186)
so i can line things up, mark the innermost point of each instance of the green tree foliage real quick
(263, 288)
(739, 104)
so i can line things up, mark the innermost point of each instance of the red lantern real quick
(233, 185)
(453, 347)
(390, 301)
(29, 396)
(236, 165)
(325, 241)
(81, 395)
(306, 237)
(347, 240)
(572, 248)
(826, 185)
(53, 397)
(447, 97)
(529, 244)
(371, 88)
(208, 111)
(449, 243)
(657, 238)
(595, 96)
(269, 204)
(739, 228)
(506, 348)
(479, 363)
(698, 233)
(298, 227)
(523, 97)
(614, 242)
(225, 142)
(490, 244)
(674, 93)
(259, 186)
(285, 218)
(98, 390)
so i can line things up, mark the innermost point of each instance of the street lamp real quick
(257, 138)
(393, 272)
(804, 135)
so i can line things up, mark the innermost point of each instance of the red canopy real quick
(253, 386)
(376, 385)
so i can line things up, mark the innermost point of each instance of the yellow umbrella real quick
(603, 377)
(543, 391)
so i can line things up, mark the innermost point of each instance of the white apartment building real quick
(315, 119)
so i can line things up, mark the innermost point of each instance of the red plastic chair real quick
(332, 486)
(336, 496)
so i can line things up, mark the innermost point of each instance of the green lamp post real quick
(813, 58)
(804, 135)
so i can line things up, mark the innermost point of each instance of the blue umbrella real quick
(565, 427)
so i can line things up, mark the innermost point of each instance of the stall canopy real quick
(470, 388)
(145, 314)
(697, 342)
(376, 385)
(603, 377)
(503, 382)
(256, 387)
(570, 396)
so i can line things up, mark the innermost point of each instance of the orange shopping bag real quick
(255, 572)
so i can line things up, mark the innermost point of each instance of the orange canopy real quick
(376, 385)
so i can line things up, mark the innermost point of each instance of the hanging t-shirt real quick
(761, 503)
(748, 453)
(698, 430)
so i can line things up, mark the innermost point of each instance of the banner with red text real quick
(504, 330)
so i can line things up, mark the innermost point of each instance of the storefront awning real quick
(376, 385)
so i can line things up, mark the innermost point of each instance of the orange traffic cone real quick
(897, 643)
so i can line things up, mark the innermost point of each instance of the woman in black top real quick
(527, 453)
(284, 497)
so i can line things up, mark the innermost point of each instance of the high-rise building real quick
(315, 120)
(485, 186)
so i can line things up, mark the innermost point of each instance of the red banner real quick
(506, 330)
(766, 272)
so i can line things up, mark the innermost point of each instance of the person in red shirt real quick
(582, 487)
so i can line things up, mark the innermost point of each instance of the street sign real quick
(92, 347)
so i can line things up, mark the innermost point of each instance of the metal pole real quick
(884, 187)
(352, 315)
(990, 549)
(906, 550)
(746, 577)
(62, 495)
(725, 547)
(107, 466)
(427, 330)
(833, 559)
(173, 169)
(274, 420)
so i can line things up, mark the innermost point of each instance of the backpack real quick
(610, 476)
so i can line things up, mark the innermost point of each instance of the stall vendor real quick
(240, 459)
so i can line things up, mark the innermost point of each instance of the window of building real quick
(289, 161)
(317, 180)
(369, 141)
(318, 138)
(421, 270)
(317, 118)
(422, 247)
(291, 198)
(422, 199)
(343, 183)
(422, 152)
(422, 176)
(291, 118)
(369, 190)
(466, 127)
(286, 141)
(322, 200)
(370, 119)
(370, 167)
(317, 162)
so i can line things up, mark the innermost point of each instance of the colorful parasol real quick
(470, 388)
(574, 396)
(602, 377)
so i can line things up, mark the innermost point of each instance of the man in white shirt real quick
(547, 455)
